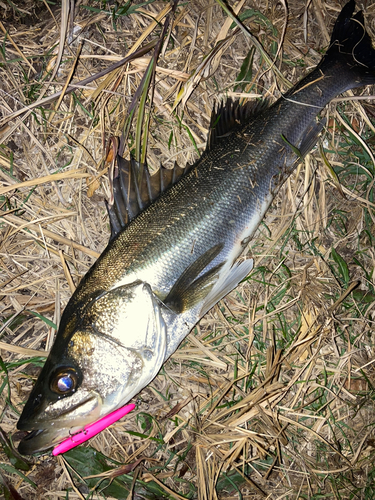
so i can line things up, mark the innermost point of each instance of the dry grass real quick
(272, 396)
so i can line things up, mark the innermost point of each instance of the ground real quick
(272, 394)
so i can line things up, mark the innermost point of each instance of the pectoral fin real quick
(227, 282)
(191, 288)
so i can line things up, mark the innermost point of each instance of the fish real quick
(175, 246)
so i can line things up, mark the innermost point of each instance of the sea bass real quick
(172, 260)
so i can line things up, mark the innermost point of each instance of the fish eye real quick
(65, 381)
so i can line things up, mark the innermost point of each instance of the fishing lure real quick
(91, 430)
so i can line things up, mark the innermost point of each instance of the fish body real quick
(172, 262)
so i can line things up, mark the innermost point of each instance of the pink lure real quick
(92, 430)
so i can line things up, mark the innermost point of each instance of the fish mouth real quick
(40, 440)
(47, 432)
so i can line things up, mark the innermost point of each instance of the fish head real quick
(116, 349)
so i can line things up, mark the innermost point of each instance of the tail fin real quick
(351, 41)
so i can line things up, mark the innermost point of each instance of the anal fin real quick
(311, 136)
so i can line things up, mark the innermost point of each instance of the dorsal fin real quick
(231, 115)
(134, 189)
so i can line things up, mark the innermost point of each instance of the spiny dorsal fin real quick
(134, 189)
(231, 115)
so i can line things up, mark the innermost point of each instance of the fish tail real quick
(351, 44)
